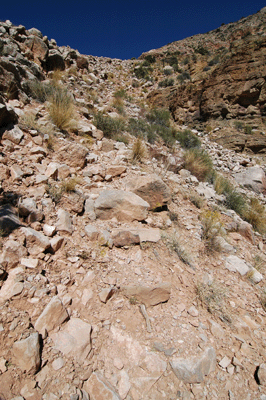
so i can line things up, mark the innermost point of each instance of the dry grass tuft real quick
(198, 163)
(138, 150)
(212, 296)
(255, 215)
(61, 109)
(211, 228)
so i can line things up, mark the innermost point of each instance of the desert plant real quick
(183, 77)
(248, 130)
(212, 295)
(54, 191)
(174, 243)
(69, 185)
(238, 125)
(61, 108)
(138, 150)
(166, 82)
(196, 199)
(110, 126)
(40, 90)
(187, 139)
(199, 163)
(211, 228)
(254, 213)
(222, 184)
(235, 201)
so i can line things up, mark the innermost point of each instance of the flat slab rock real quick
(236, 264)
(150, 296)
(99, 388)
(193, 370)
(74, 340)
(52, 316)
(26, 353)
(125, 206)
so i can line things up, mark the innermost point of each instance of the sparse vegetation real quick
(166, 82)
(176, 244)
(212, 296)
(199, 163)
(138, 150)
(211, 228)
(61, 108)
(187, 139)
(254, 213)
(110, 126)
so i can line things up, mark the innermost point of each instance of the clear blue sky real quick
(124, 28)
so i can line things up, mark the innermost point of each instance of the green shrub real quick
(199, 163)
(235, 201)
(150, 59)
(187, 139)
(121, 93)
(238, 125)
(40, 90)
(183, 77)
(143, 71)
(166, 82)
(138, 127)
(248, 130)
(110, 126)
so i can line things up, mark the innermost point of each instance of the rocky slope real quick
(110, 288)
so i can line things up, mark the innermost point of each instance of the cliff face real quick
(227, 72)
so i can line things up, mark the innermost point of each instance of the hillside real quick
(132, 219)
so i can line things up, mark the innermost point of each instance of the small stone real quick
(49, 230)
(118, 363)
(225, 362)
(262, 374)
(3, 367)
(30, 262)
(193, 311)
(52, 316)
(106, 294)
(58, 363)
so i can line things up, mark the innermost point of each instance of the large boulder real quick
(38, 48)
(125, 206)
(252, 178)
(54, 61)
(152, 189)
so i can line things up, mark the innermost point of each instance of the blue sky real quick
(124, 29)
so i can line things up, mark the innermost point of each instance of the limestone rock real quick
(194, 370)
(64, 223)
(26, 353)
(252, 178)
(262, 374)
(150, 296)
(27, 206)
(98, 388)
(74, 340)
(152, 189)
(116, 170)
(12, 286)
(56, 243)
(52, 316)
(36, 242)
(125, 238)
(15, 135)
(72, 154)
(236, 264)
(12, 253)
(125, 206)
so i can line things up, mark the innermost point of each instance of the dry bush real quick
(61, 108)
(222, 184)
(211, 228)
(255, 215)
(198, 163)
(138, 150)
(212, 296)
(174, 243)
(69, 185)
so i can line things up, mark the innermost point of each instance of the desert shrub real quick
(174, 243)
(110, 126)
(187, 139)
(138, 150)
(150, 59)
(159, 116)
(212, 296)
(222, 184)
(40, 90)
(143, 71)
(211, 228)
(214, 61)
(199, 163)
(69, 185)
(166, 82)
(61, 108)
(196, 199)
(183, 76)
(238, 125)
(202, 50)
(118, 104)
(55, 192)
(138, 127)
(248, 130)
(120, 93)
(235, 201)
(159, 119)
(254, 213)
